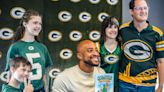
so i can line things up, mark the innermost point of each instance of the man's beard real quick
(90, 64)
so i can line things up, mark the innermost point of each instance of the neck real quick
(28, 38)
(110, 44)
(140, 25)
(110, 41)
(86, 67)
(14, 83)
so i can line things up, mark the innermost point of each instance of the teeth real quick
(113, 33)
(96, 59)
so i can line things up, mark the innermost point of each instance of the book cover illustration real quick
(104, 82)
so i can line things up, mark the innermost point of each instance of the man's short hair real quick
(132, 4)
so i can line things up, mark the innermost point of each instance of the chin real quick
(21, 80)
(96, 64)
(36, 34)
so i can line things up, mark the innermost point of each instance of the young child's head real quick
(20, 68)
(30, 22)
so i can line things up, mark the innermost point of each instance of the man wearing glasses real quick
(143, 52)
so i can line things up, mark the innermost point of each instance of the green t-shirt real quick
(37, 54)
(8, 88)
(110, 61)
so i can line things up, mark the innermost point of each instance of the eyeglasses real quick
(141, 8)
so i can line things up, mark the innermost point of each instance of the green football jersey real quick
(37, 54)
(8, 88)
(140, 52)
(110, 61)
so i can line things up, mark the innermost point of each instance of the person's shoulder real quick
(158, 30)
(124, 25)
(15, 44)
(99, 70)
(41, 45)
(38, 43)
(7, 88)
(65, 75)
(68, 71)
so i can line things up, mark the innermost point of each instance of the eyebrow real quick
(89, 48)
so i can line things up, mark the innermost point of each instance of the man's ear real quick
(79, 56)
(131, 12)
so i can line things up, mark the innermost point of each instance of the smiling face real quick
(21, 73)
(88, 53)
(111, 31)
(33, 26)
(139, 11)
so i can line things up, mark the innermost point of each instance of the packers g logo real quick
(94, 1)
(0, 11)
(94, 35)
(0, 54)
(4, 76)
(6, 33)
(102, 16)
(64, 16)
(54, 72)
(66, 54)
(111, 59)
(75, 1)
(85, 17)
(55, 0)
(112, 2)
(31, 47)
(54, 36)
(138, 51)
(17, 12)
(75, 35)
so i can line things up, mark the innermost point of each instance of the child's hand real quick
(28, 86)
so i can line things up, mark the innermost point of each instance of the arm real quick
(160, 66)
(46, 75)
(10, 54)
(59, 84)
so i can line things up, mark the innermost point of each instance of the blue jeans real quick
(128, 87)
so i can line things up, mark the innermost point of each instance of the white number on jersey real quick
(37, 66)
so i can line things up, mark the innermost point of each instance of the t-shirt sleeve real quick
(48, 58)
(10, 54)
(160, 46)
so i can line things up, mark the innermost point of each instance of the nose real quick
(26, 73)
(96, 53)
(142, 9)
(38, 25)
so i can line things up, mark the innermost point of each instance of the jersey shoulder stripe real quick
(125, 25)
(156, 29)
(98, 46)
